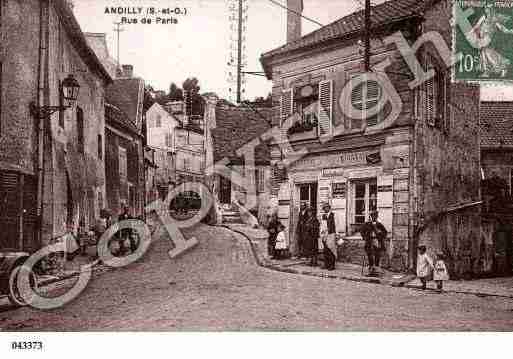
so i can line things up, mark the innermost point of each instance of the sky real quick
(198, 45)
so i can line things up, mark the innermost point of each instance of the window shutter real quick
(385, 200)
(286, 106)
(430, 102)
(325, 107)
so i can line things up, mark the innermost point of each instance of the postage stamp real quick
(485, 45)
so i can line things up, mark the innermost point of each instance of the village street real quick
(218, 286)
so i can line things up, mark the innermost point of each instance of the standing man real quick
(300, 230)
(374, 234)
(329, 237)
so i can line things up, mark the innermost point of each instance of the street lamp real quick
(68, 94)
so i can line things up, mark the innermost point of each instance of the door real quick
(225, 191)
(308, 195)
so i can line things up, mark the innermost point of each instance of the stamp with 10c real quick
(486, 55)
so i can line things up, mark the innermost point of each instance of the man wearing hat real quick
(328, 234)
(374, 234)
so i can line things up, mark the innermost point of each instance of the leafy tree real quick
(175, 93)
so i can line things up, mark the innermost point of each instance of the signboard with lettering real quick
(329, 161)
(338, 189)
(332, 172)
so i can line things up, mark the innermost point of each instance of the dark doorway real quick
(308, 195)
(225, 191)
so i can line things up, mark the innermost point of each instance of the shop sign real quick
(338, 189)
(344, 159)
(332, 172)
(386, 188)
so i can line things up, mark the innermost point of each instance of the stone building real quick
(415, 159)
(125, 143)
(124, 133)
(50, 170)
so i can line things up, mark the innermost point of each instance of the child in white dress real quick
(440, 273)
(424, 266)
(282, 246)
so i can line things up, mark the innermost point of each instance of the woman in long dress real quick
(481, 36)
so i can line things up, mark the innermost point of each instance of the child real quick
(281, 246)
(440, 273)
(424, 266)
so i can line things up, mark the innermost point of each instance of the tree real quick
(148, 97)
(191, 88)
(175, 93)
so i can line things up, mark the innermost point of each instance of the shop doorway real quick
(308, 195)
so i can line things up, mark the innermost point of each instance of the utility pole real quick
(239, 54)
(118, 29)
(367, 34)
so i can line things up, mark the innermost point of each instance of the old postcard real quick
(255, 165)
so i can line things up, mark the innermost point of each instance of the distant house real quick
(179, 144)
(235, 127)
(496, 130)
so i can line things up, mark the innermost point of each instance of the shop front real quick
(355, 183)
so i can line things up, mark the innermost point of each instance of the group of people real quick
(308, 231)
(429, 269)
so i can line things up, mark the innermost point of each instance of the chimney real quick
(128, 71)
(294, 19)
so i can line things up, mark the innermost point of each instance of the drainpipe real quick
(40, 94)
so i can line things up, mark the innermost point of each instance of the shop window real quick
(365, 200)
(365, 97)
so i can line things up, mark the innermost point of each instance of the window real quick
(100, 147)
(186, 164)
(365, 97)
(511, 182)
(169, 140)
(80, 130)
(122, 164)
(260, 179)
(365, 199)
(158, 121)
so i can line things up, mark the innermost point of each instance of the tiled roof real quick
(126, 94)
(116, 117)
(382, 14)
(496, 123)
(236, 126)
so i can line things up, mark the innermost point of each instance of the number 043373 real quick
(26, 345)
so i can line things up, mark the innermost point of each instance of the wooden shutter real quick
(286, 105)
(385, 200)
(325, 107)
(11, 204)
(430, 102)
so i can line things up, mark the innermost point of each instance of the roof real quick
(383, 14)
(116, 117)
(98, 43)
(78, 40)
(128, 95)
(235, 127)
(496, 124)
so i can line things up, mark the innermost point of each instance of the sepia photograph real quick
(292, 167)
